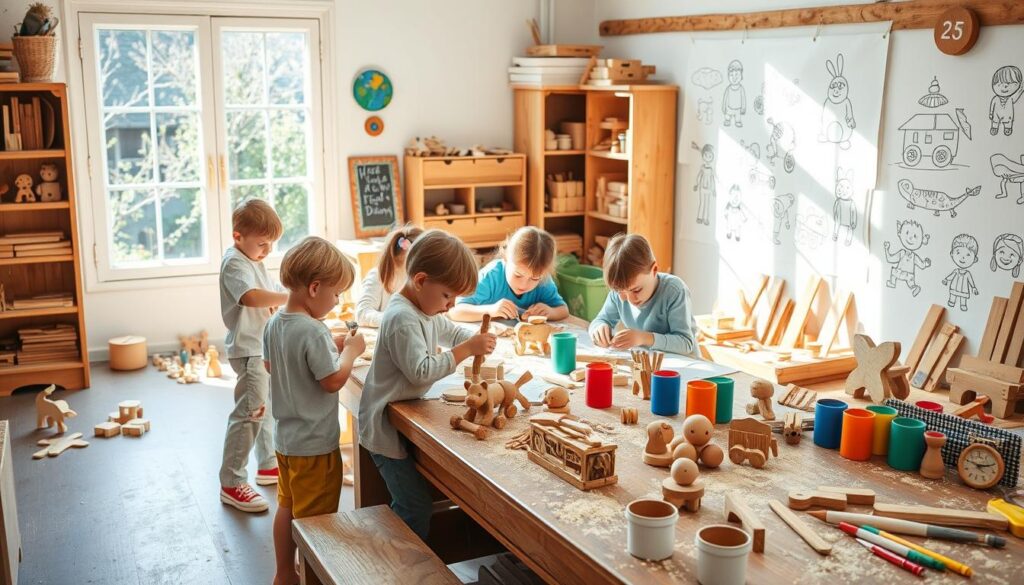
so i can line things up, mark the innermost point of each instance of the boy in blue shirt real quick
(654, 307)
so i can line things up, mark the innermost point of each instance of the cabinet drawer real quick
(473, 170)
(461, 228)
(478, 229)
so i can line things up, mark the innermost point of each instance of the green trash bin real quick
(582, 286)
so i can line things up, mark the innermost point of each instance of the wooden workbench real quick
(570, 536)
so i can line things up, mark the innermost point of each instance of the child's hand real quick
(504, 309)
(482, 343)
(537, 310)
(602, 336)
(628, 338)
(355, 344)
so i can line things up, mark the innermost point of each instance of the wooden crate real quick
(582, 465)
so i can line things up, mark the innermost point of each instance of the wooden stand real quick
(737, 510)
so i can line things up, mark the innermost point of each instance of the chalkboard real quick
(376, 194)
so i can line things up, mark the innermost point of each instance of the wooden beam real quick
(914, 14)
(831, 328)
(1007, 324)
(774, 296)
(924, 335)
(995, 318)
(935, 378)
(795, 331)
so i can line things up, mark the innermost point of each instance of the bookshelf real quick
(40, 262)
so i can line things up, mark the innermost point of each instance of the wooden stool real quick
(128, 352)
(368, 545)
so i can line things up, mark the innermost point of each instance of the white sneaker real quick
(244, 498)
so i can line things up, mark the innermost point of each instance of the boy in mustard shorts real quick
(307, 367)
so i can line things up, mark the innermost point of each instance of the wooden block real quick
(931, 355)
(107, 429)
(1015, 350)
(133, 430)
(797, 323)
(952, 346)
(748, 321)
(142, 422)
(774, 297)
(620, 380)
(736, 510)
(943, 516)
(578, 375)
(975, 408)
(981, 383)
(807, 500)
(792, 428)
(830, 330)
(114, 417)
(855, 496)
(819, 544)
(995, 319)
(779, 326)
(992, 369)
(872, 363)
(1007, 324)
(924, 335)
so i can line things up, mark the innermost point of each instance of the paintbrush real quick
(899, 526)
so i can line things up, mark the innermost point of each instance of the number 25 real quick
(953, 31)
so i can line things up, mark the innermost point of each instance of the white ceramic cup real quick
(564, 142)
(457, 208)
(651, 529)
(722, 552)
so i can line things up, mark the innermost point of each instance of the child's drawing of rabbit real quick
(837, 122)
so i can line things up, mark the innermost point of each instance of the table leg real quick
(306, 574)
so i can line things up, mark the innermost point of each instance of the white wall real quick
(447, 60)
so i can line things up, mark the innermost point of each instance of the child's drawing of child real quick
(964, 252)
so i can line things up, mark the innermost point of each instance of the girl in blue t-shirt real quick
(517, 283)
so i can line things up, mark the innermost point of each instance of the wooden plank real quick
(775, 335)
(831, 329)
(931, 356)
(924, 334)
(993, 387)
(1015, 351)
(995, 318)
(759, 291)
(935, 377)
(914, 14)
(992, 369)
(774, 297)
(10, 535)
(795, 330)
(1008, 322)
(943, 516)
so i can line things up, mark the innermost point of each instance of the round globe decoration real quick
(374, 126)
(372, 90)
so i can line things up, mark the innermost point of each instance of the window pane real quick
(286, 61)
(178, 147)
(129, 148)
(244, 76)
(174, 68)
(291, 202)
(133, 223)
(247, 144)
(240, 193)
(181, 214)
(288, 131)
(123, 67)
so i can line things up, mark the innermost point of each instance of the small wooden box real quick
(128, 353)
(582, 465)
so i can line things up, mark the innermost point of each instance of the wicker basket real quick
(37, 57)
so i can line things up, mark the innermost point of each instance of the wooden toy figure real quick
(762, 392)
(752, 440)
(51, 412)
(48, 189)
(25, 193)
(483, 397)
(212, 363)
(695, 442)
(533, 335)
(657, 453)
(682, 489)
(556, 399)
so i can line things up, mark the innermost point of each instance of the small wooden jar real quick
(128, 352)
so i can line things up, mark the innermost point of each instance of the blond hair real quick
(255, 217)
(444, 259)
(313, 259)
(531, 247)
(627, 257)
(396, 246)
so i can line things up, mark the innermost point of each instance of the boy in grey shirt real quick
(247, 297)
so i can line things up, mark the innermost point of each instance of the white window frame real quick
(328, 209)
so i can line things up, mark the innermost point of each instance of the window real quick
(181, 141)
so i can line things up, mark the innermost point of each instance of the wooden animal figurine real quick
(752, 440)
(556, 399)
(657, 453)
(695, 442)
(441, 209)
(212, 363)
(195, 344)
(533, 335)
(871, 374)
(792, 428)
(51, 412)
(54, 447)
(762, 391)
(24, 186)
(629, 415)
(682, 488)
(483, 397)
(48, 189)
(644, 365)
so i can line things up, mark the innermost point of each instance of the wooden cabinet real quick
(41, 273)
(646, 165)
(479, 184)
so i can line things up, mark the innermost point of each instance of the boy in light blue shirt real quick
(654, 307)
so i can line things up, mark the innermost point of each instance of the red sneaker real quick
(266, 476)
(244, 498)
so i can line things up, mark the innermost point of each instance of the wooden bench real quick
(368, 545)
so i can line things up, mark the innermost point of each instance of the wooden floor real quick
(144, 511)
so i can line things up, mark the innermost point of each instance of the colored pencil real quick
(893, 547)
(952, 565)
(892, 558)
(909, 527)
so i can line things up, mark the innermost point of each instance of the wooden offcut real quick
(831, 328)
(774, 297)
(797, 323)
(995, 318)
(924, 335)
(1009, 321)
(935, 377)
(931, 356)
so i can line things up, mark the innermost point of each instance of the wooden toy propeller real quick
(478, 361)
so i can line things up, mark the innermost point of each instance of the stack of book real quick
(6, 57)
(34, 244)
(50, 343)
(28, 124)
(47, 301)
(547, 70)
(8, 352)
(607, 72)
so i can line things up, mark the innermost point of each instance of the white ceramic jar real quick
(650, 529)
(722, 552)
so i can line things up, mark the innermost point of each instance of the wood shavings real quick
(519, 441)
(600, 515)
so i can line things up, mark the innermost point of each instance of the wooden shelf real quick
(551, 214)
(609, 155)
(31, 154)
(36, 259)
(40, 367)
(563, 152)
(472, 215)
(473, 185)
(14, 207)
(606, 217)
(22, 313)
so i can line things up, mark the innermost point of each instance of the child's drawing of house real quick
(934, 136)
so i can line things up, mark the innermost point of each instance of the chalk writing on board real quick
(376, 194)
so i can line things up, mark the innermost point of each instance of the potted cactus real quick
(35, 44)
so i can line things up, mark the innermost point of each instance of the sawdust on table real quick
(598, 515)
